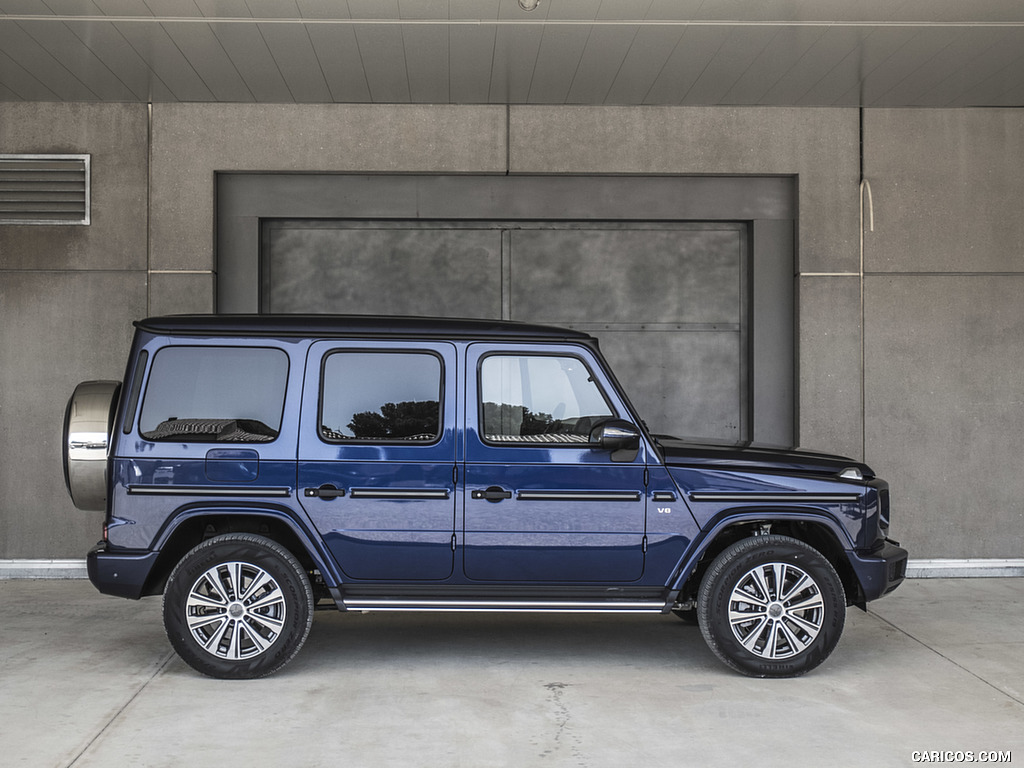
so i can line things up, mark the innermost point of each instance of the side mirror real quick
(618, 436)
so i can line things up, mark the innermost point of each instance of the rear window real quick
(215, 395)
(381, 397)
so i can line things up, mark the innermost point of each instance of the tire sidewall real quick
(723, 576)
(258, 551)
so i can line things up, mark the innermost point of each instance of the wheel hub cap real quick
(776, 610)
(235, 611)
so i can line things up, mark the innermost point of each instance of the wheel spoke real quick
(811, 602)
(810, 627)
(798, 585)
(272, 598)
(258, 640)
(750, 640)
(262, 578)
(197, 600)
(794, 643)
(758, 577)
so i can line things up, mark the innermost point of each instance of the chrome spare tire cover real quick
(87, 424)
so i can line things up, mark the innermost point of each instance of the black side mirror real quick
(618, 436)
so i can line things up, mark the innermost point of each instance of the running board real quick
(526, 606)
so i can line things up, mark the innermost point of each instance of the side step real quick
(526, 606)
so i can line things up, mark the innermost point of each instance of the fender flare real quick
(731, 517)
(278, 513)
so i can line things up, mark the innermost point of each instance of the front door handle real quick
(494, 493)
(325, 491)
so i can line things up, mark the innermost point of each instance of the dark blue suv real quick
(251, 468)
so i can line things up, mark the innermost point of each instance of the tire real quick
(238, 606)
(790, 630)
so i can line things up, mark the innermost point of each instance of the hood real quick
(686, 452)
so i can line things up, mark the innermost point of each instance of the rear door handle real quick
(494, 493)
(325, 491)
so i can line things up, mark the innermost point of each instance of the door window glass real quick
(381, 396)
(539, 399)
(215, 395)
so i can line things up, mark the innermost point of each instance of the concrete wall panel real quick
(944, 416)
(116, 137)
(947, 188)
(56, 329)
(191, 142)
(174, 293)
(820, 146)
(829, 373)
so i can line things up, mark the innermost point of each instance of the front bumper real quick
(122, 573)
(881, 571)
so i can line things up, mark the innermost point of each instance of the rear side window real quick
(539, 399)
(381, 397)
(215, 395)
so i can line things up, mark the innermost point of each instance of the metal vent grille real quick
(44, 189)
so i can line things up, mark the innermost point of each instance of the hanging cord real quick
(865, 186)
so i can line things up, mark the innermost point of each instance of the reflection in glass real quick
(215, 394)
(539, 399)
(381, 396)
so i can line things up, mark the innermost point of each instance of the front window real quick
(381, 397)
(215, 395)
(539, 399)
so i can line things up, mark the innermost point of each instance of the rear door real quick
(377, 456)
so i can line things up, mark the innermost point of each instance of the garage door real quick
(668, 301)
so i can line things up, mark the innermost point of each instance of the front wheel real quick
(238, 606)
(771, 606)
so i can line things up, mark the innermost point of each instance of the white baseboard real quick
(940, 568)
(43, 569)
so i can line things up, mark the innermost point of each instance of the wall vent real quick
(44, 189)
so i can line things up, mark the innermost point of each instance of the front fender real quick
(730, 518)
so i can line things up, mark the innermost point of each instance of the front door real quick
(377, 456)
(541, 503)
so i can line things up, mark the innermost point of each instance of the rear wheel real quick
(771, 606)
(238, 606)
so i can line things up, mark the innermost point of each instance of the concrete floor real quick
(88, 680)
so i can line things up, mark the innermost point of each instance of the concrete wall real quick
(68, 296)
(944, 326)
(942, 355)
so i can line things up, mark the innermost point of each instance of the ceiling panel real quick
(383, 53)
(153, 45)
(293, 53)
(338, 53)
(692, 52)
(599, 63)
(515, 54)
(470, 58)
(245, 47)
(78, 59)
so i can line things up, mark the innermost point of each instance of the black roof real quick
(354, 325)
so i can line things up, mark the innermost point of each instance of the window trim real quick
(385, 351)
(141, 408)
(527, 443)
